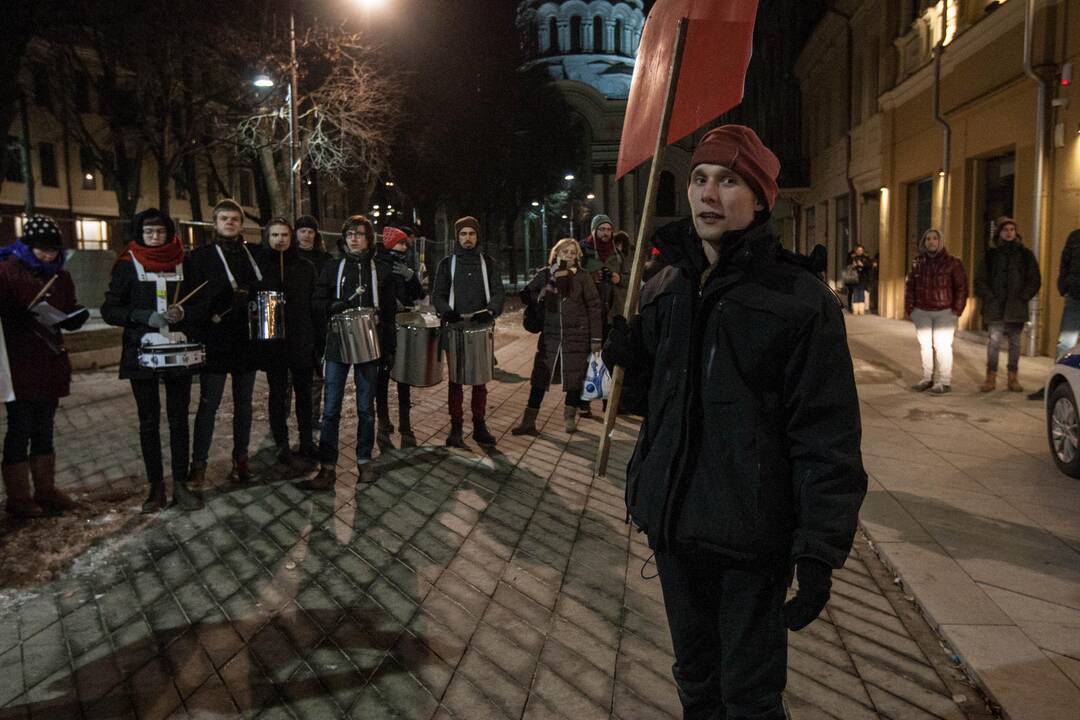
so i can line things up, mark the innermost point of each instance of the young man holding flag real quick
(748, 468)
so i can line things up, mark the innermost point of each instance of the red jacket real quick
(38, 371)
(936, 282)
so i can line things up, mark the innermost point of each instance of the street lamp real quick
(569, 178)
(264, 81)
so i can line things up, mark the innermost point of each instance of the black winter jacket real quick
(297, 349)
(751, 445)
(355, 270)
(129, 303)
(573, 320)
(1007, 278)
(228, 348)
(1068, 282)
(468, 284)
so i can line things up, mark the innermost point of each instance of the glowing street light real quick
(264, 81)
(590, 196)
(569, 178)
(535, 203)
(370, 4)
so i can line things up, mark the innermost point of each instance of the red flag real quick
(715, 57)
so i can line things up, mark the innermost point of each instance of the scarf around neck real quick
(25, 253)
(163, 258)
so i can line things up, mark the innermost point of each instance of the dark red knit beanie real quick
(738, 148)
(391, 237)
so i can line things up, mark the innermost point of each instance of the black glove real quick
(338, 306)
(815, 579)
(240, 300)
(451, 316)
(483, 316)
(76, 320)
(619, 348)
(606, 274)
(403, 270)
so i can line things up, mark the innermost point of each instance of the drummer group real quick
(184, 314)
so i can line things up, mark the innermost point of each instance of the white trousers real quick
(935, 330)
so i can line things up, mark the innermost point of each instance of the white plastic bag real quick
(597, 379)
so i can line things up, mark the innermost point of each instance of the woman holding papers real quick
(37, 300)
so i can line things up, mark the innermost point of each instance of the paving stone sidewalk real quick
(462, 584)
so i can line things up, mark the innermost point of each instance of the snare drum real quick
(170, 357)
(470, 349)
(355, 334)
(266, 316)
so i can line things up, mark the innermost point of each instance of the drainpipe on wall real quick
(1040, 161)
(853, 200)
(946, 155)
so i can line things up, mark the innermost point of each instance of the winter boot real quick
(528, 423)
(196, 479)
(17, 486)
(455, 439)
(586, 410)
(408, 439)
(481, 434)
(43, 470)
(570, 416)
(1039, 394)
(309, 450)
(292, 464)
(384, 429)
(366, 473)
(156, 501)
(185, 498)
(990, 382)
(325, 480)
(241, 470)
(1014, 382)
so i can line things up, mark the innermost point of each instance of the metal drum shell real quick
(266, 316)
(356, 335)
(162, 358)
(417, 359)
(470, 352)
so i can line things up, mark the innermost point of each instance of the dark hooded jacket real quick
(572, 321)
(355, 271)
(1068, 282)
(129, 302)
(751, 445)
(1008, 278)
(468, 283)
(297, 349)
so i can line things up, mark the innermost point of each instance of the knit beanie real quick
(599, 220)
(392, 237)
(738, 148)
(467, 221)
(41, 232)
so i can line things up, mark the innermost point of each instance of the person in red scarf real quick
(153, 259)
(40, 371)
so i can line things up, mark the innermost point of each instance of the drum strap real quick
(228, 270)
(161, 282)
(483, 273)
(374, 284)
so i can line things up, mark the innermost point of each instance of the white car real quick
(1062, 415)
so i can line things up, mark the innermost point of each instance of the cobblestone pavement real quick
(462, 584)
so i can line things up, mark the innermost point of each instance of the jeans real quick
(993, 348)
(316, 395)
(728, 633)
(211, 390)
(364, 376)
(935, 330)
(1070, 326)
(382, 397)
(278, 380)
(536, 398)
(457, 399)
(148, 404)
(30, 426)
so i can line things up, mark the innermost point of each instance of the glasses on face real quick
(153, 231)
(355, 235)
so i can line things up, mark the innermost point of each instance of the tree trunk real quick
(278, 204)
(164, 195)
(24, 155)
(511, 254)
(191, 178)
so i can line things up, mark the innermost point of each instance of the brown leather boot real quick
(1014, 382)
(241, 470)
(196, 479)
(570, 418)
(325, 480)
(17, 486)
(43, 470)
(528, 423)
(989, 383)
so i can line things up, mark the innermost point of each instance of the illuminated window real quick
(92, 234)
(20, 220)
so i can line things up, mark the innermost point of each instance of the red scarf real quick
(163, 258)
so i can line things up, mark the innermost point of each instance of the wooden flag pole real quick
(644, 231)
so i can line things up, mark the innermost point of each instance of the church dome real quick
(589, 42)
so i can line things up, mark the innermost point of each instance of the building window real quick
(92, 234)
(575, 34)
(811, 226)
(598, 35)
(665, 197)
(245, 182)
(42, 89)
(12, 160)
(86, 167)
(920, 208)
(47, 157)
(618, 49)
(553, 36)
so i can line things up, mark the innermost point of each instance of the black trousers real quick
(730, 642)
(382, 397)
(148, 405)
(536, 398)
(30, 427)
(278, 380)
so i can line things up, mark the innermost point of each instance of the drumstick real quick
(176, 292)
(42, 291)
(188, 296)
(281, 262)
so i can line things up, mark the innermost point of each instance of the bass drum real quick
(417, 361)
(266, 316)
(470, 351)
(355, 333)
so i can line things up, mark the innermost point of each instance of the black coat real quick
(316, 257)
(356, 271)
(227, 346)
(407, 292)
(298, 348)
(1008, 278)
(751, 445)
(129, 302)
(1068, 281)
(573, 319)
(468, 284)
